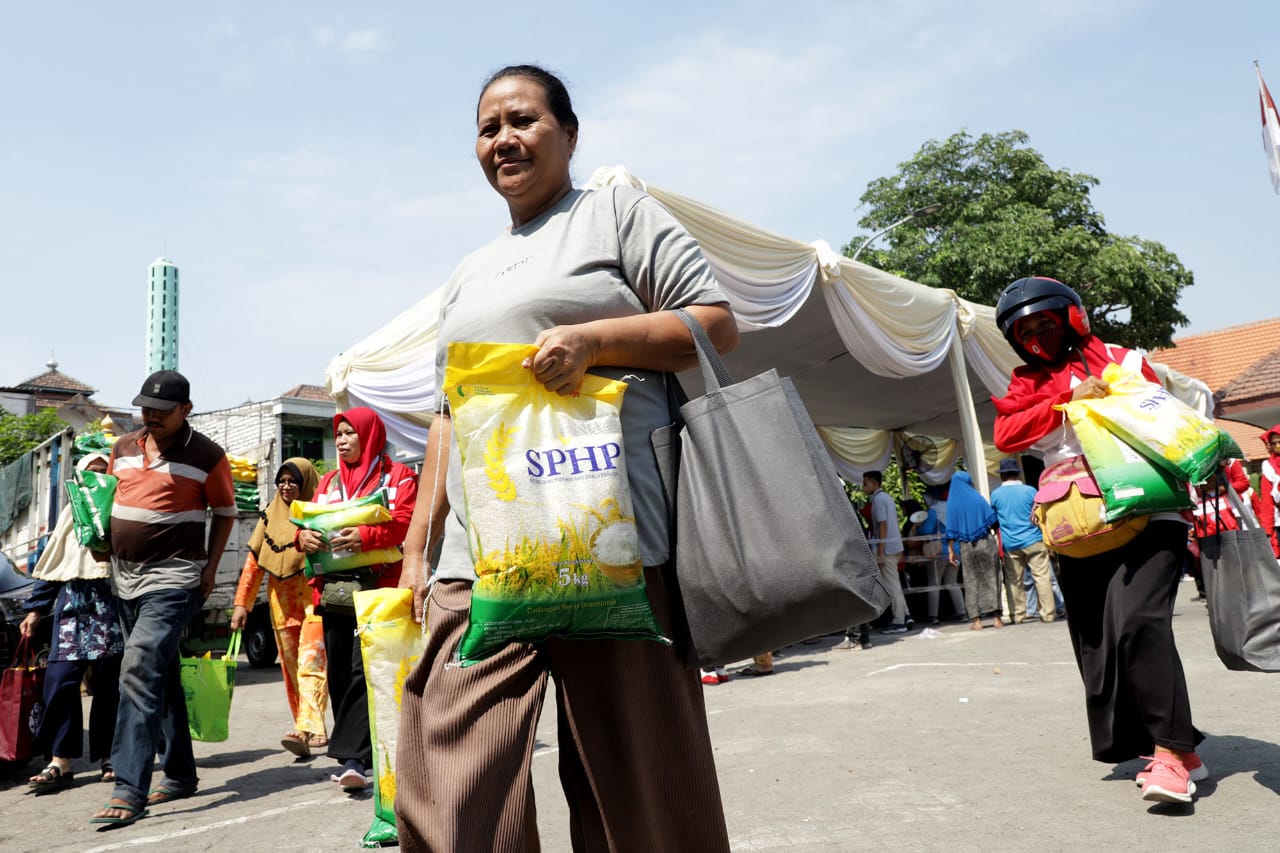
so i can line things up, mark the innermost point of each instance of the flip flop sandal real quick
(108, 774)
(52, 778)
(297, 743)
(135, 814)
(164, 794)
(317, 742)
(753, 672)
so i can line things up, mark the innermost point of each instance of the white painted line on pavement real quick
(235, 821)
(971, 663)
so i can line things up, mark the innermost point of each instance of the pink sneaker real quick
(1195, 769)
(1167, 780)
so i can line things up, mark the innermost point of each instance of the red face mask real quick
(1045, 341)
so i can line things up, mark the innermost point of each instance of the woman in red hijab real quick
(364, 468)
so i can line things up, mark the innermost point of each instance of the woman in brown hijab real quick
(299, 631)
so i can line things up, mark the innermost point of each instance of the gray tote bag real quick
(766, 547)
(1242, 590)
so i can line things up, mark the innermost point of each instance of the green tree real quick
(20, 433)
(1007, 214)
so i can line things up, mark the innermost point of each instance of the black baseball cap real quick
(163, 390)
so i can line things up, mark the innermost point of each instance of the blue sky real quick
(309, 166)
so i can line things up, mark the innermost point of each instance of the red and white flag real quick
(1270, 130)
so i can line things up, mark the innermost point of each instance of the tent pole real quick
(971, 432)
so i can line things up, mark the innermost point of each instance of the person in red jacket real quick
(1269, 487)
(1120, 602)
(364, 468)
(1212, 510)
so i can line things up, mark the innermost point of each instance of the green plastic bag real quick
(91, 495)
(1130, 483)
(207, 685)
(92, 442)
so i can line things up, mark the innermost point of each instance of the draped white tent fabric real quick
(867, 351)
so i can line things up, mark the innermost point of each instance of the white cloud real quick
(364, 45)
(355, 45)
(324, 35)
(223, 28)
(754, 119)
(243, 75)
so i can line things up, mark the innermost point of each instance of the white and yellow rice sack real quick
(551, 530)
(391, 644)
(1159, 426)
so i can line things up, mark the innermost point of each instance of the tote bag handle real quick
(714, 374)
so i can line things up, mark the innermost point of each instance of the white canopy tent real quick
(875, 357)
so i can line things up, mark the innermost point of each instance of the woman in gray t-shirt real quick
(591, 278)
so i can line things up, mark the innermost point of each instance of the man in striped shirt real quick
(163, 566)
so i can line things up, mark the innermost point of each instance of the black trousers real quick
(348, 696)
(62, 724)
(1120, 617)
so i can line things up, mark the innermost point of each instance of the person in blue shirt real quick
(1024, 549)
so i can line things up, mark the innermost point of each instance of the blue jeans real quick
(151, 700)
(1033, 598)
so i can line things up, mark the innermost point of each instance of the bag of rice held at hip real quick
(330, 518)
(1130, 483)
(390, 645)
(550, 526)
(1160, 426)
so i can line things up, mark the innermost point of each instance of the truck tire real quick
(260, 639)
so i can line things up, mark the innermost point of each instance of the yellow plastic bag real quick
(330, 518)
(551, 531)
(391, 645)
(1159, 426)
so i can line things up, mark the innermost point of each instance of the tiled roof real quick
(308, 392)
(1259, 380)
(1246, 435)
(53, 380)
(1218, 358)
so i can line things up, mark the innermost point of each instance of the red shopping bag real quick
(21, 688)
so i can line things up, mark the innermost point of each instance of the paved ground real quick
(962, 741)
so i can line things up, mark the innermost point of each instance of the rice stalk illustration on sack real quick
(582, 542)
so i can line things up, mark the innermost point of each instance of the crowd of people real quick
(590, 278)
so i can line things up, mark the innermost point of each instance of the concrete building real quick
(162, 316)
(297, 423)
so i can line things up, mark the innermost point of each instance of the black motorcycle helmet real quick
(1032, 295)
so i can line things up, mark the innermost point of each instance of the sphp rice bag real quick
(550, 526)
(1130, 483)
(1160, 426)
(330, 518)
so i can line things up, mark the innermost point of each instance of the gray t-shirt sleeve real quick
(661, 260)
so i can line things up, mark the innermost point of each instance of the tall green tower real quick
(162, 315)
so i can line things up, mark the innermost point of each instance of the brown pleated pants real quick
(635, 756)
